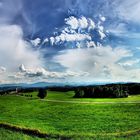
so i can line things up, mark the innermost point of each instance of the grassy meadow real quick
(61, 116)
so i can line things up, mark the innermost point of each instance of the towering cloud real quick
(15, 50)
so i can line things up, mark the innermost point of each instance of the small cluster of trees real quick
(26, 95)
(4, 92)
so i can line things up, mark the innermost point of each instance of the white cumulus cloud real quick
(78, 32)
(80, 23)
(101, 63)
(44, 73)
(36, 42)
(65, 37)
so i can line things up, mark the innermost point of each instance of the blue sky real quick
(69, 41)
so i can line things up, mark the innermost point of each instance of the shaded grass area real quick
(6, 134)
(32, 132)
(87, 121)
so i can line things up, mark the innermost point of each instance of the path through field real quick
(83, 102)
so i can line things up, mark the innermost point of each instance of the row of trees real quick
(116, 91)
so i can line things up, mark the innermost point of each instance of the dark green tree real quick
(42, 93)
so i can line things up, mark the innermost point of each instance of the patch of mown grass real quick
(71, 120)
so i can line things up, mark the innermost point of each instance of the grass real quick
(10, 135)
(83, 121)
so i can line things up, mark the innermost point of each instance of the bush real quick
(42, 93)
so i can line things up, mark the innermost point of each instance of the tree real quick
(120, 92)
(88, 92)
(79, 93)
(42, 93)
(85, 92)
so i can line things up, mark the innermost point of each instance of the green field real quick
(61, 116)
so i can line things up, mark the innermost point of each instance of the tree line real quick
(101, 91)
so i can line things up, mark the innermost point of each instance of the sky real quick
(69, 41)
